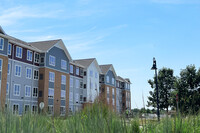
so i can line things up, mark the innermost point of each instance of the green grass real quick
(94, 119)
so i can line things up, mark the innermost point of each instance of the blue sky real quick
(125, 33)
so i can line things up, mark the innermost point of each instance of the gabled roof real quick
(45, 46)
(87, 62)
(106, 68)
(2, 31)
(127, 80)
(121, 79)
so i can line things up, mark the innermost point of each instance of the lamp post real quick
(154, 67)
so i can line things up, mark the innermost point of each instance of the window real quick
(77, 97)
(95, 86)
(50, 109)
(18, 52)
(0, 64)
(71, 69)
(7, 88)
(96, 74)
(81, 71)
(77, 83)
(34, 109)
(81, 98)
(84, 86)
(29, 55)
(108, 99)
(51, 93)
(26, 108)
(77, 70)
(113, 101)
(63, 79)
(63, 94)
(36, 73)
(15, 109)
(71, 82)
(27, 91)
(70, 96)
(91, 85)
(52, 60)
(62, 110)
(28, 73)
(85, 73)
(108, 90)
(18, 70)
(113, 91)
(9, 48)
(37, 58)
(91, 73)
(107, 79)
(81, 84)
(42, 60)
(35, 92)
(1, 43)
(8, 68)
(113, 81)
(51, 76)
(64, 64)
(16, 91)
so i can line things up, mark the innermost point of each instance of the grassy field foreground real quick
(96, 119)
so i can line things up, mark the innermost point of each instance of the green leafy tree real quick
(166, 81)
(188, 88)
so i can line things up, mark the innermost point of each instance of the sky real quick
(125, 33)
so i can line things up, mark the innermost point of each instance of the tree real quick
(188, 90)
(166, 81)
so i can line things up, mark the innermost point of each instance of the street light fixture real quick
(154, 67)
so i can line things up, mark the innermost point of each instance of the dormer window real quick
(107, 79)
(18, 52)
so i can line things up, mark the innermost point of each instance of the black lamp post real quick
(154, 67)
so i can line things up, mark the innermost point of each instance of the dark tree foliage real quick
(166, 82)
(188, 90)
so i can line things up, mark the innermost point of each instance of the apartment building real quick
(91, 73)
(53, 84)
(108, 85)
(35, 72)
(76, 91)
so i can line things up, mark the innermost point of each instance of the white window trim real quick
(50, 78)
(10, 49)
(52, 111)
(13, 107)
(14, 90)
(38, 59)
(71, 70)
(8, 88)
(33, 92)
(64, 97)
(34, 74)
(24, 107)
(64, 111)
(1, 64)
(25, 90)
(9, 69)
(16, 52)
(70, 99)
(32, 108)
(26, 73)
(29, 57)
(2, 44)
(53, 93)
(62, 80)
(71, 79)
(65, 67)
(50, 61)
(20, 71)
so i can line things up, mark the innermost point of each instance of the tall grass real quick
(94, 119)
